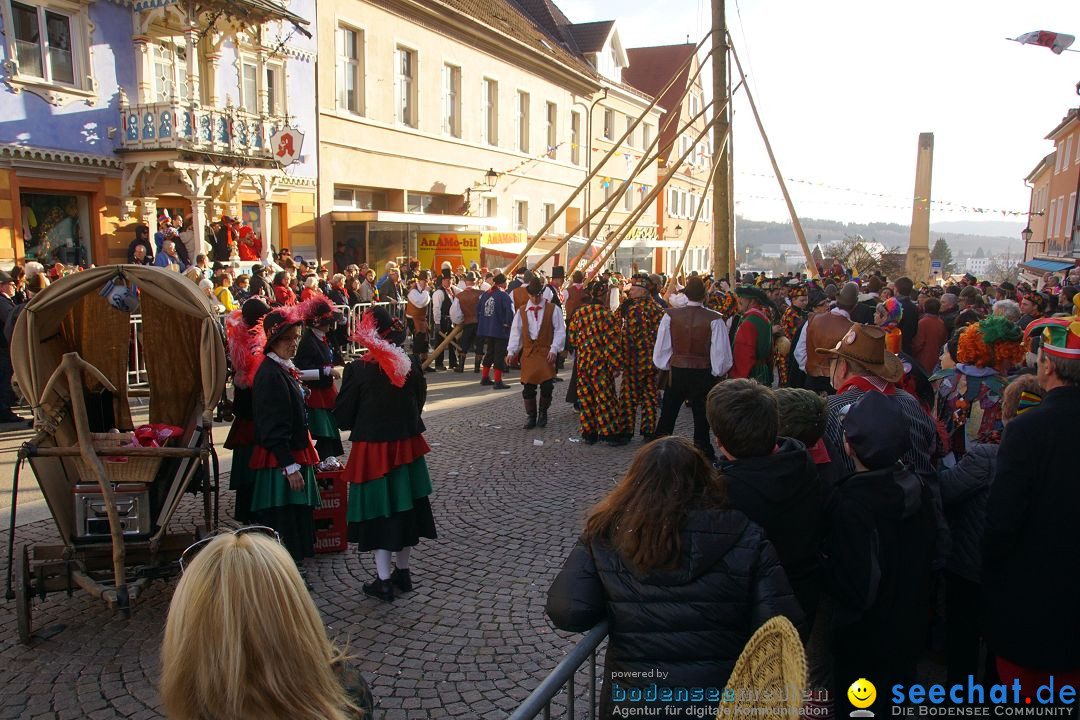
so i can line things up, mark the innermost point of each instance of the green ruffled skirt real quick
(290, 512)
(392, 512)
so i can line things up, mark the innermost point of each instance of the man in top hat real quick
(538, 334)
(691, 341)
(441, 302)
(859, 363)
(417, 310)
(1031, 546)
(463, 313)
(640, 317)
(753, 351)
(494, 318)
(553, 290)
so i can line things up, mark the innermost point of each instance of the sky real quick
(845, 87)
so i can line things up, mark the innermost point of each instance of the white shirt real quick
(558, 337)
(678, 300)
(549, 293)
(437, 300)
(800, 347)
(614, 298)
(485, 286)
(719, 349)
(419, 298)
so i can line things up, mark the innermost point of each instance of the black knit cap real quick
(877, 430)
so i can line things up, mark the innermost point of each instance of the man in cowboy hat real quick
(858, 364)
(754, 336)
(1031, 548)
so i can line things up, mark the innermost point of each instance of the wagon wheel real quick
(24, 592)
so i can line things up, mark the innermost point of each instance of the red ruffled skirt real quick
(261, 458)
(322, 398)
(242, 432)
(372, 460)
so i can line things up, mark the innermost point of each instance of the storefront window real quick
(253, 217)
(387, 241)
(55, 228)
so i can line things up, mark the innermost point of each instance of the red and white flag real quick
(1057, 42)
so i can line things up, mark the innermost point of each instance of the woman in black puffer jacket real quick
(683, 581)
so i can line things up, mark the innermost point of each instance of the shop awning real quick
(387, 216)
(1039, 265)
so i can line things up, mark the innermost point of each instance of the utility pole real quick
(722, 188)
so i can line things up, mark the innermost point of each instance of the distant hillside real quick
(960, 235)
(989, 228)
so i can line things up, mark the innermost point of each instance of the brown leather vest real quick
(418, 315)
(468, 299)
(535, 368)
(575, 298)
(691, 336)
(823, 331)
(520, 296)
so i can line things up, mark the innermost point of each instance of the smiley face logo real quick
(862, 693)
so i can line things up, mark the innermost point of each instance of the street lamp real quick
(491, 177)
(1026, 234)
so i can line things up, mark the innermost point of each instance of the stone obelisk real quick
(918, 253)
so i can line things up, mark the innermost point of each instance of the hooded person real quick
(246, 339)
(381, 400)
(878, 551)
(595, 334)
(284, 458)
(538, 335)
(315, 360)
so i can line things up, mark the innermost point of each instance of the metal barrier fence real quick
(137, 376)
(563, 678)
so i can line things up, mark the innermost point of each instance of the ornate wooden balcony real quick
(181, 126)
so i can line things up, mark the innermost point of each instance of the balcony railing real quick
(180, 126)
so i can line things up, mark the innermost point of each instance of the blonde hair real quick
(243, 639)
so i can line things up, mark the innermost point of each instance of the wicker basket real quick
(129, 470)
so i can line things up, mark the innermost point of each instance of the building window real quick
(348, 198)
(170, 69)
(424, 203)
(452, 100)
(523, 121)
(350, 69)
(406, 86)
(521, 215)
(44, 43)
(491, 111)
(1051, 220)
(549, 212)
(629, 131)
(1077, 161)
(607, 189)
(646, 135)
(1060, 224)
(1067, 155)
(62, 233)
(249, 87)
(275, 89)
(694, 104)
(552, 129)
(628, 196)
(609, 124)
(491, 207)
(1070, 220)
(575, 138)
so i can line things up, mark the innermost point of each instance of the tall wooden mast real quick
(722, 226)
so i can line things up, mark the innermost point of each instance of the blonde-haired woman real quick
(221, 661)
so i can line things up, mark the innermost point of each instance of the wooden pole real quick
(811, 268)
(454, 332)
(610, 153)
(722, 230)
(717, 161)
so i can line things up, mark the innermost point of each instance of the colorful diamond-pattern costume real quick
(640, 319)
(790, 323)
(595, 335)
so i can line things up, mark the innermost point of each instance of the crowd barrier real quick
(563, 681)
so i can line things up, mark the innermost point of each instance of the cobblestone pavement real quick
(471, 641)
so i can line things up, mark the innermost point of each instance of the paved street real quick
(471, 640)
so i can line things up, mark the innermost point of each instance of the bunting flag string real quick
(941, 205)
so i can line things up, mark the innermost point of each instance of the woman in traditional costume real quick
(382, 396)
(284, 459)
(315, 359)
(246, 340)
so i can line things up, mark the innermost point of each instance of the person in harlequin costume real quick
(984, 353)
(727, 304)
(753, 346)
(244, 332)
(594, 333)
(382, 397)
(537, 335)
(284, 492)
(315, 359)
(887, 316)
(791, 322)
(640, 318)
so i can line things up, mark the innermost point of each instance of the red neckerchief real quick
(867, 384)
(818, 453)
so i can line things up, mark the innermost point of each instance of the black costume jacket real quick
(280, 416)
(374, 410)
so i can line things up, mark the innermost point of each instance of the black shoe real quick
(487, 381)
(589, 439)
(459, 368)
(500, 386)
(381, 589)
(401, 579)
(441, 368)
(617, 440)
(476, 369)
(530, 423)
(647, 437)
(429, 369)
(558, 379)
(541, 419)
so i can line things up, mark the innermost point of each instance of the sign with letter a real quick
(286, 144)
